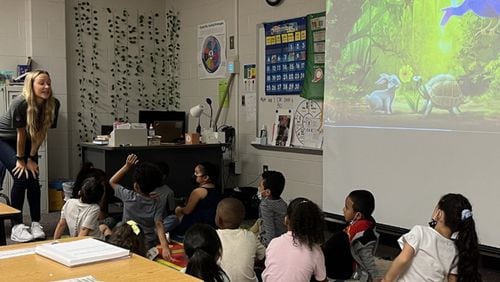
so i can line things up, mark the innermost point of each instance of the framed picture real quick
(282, 133)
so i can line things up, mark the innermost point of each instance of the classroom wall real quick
(104, 58)
(303, 172)
(36, 28)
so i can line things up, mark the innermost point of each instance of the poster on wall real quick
(282, 132)
(314, 81)
(308, 124)
(212, 50)
(285, 56)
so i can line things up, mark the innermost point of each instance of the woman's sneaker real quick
(37, 230)
(20, 233)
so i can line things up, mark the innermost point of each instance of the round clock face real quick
(273, 2)
(188, 138)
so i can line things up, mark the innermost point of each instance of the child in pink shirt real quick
(296, 255)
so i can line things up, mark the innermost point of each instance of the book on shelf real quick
(80, 252)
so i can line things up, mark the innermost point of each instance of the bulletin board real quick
(307, 114)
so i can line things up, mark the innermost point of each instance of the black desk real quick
(180, 158)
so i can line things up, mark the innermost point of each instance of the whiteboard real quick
(409, 170)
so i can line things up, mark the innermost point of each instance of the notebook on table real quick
(80, 252)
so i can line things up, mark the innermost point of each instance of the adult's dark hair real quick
(92, 191)
(148, 176)
(203, 249)
(363, 202)
(165, 169)
(458, 217)
(210, 170)
(274, 181)
(124, 236)
(306, 221)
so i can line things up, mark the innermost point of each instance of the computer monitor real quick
(150, 117)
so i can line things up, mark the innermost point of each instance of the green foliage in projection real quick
(367, 38)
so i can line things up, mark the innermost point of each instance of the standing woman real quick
(23, 128)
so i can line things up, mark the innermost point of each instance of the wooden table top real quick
(38, 268)
(6, 210)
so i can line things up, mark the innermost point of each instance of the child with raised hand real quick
(296, 255)
(241, 247)
(203, 248)
(129, 235)
(82, 215)
(447, 250)
(138, 205)
(357, 238)
(272, 208)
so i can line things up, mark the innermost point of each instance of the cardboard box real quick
(56, 199)
(131, 135)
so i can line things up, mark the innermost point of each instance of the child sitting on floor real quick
(357, 238)
(129, 235)
(82, 215)
(272, 208)
(296, 255)
(241, 247)
(445, 251)
(138, 205)
(204, 249)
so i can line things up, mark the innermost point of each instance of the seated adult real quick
(202, 203)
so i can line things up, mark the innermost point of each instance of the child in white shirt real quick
(241, 247)
(430, 253)
(82, 215)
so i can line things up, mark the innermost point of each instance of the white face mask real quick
(259, 195)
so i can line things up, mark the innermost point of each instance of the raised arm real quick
(118, 176)
(400, 264)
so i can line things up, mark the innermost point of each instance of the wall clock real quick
(273, 2)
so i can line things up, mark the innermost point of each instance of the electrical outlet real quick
(265, 168)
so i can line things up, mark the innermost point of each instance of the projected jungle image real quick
(413, 63)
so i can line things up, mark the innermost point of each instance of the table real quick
(38, 268)
(5, 213)
(180, 158)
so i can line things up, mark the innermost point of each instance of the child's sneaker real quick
(20, 233)
(37, 230)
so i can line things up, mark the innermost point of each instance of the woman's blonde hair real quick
(38, 117)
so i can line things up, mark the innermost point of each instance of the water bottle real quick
(263, 135)
(151, 131)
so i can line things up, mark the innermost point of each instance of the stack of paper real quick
(81, 251)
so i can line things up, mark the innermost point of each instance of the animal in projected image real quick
(380, 101)
(441, 91)
(482, 8)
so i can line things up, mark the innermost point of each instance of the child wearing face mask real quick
(353, 239)
(445, 251)
(202, 203)
(272, 208)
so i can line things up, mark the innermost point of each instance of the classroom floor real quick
(385, 250)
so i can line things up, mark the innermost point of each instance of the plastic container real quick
(68, 189)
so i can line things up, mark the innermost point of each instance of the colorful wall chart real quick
(285, 56)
